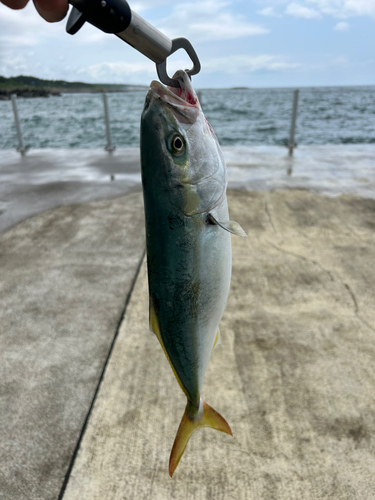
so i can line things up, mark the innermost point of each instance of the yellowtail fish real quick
(188, 242)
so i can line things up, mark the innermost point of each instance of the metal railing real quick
(111, 147)
(21, 146)
(292, 144)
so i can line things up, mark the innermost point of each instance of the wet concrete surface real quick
(48, 178)
(44, 179)
(65, 278)
(329, 169)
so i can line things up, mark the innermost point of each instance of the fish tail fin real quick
(205, 417)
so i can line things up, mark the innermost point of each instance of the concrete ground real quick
(48, 178)
(293, 376)
(64, 282)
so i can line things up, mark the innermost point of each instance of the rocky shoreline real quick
(27, 92)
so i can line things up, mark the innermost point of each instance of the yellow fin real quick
(153, 321)
(205, 417)
(154, 327)
(217, 339)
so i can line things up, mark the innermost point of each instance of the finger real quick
(52, 10)
(15, 4)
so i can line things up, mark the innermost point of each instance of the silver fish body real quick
(188, 242)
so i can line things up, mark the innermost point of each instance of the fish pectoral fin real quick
(229, 225)
(217, 339)
(205, 417)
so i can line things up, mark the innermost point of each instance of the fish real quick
(188, 242)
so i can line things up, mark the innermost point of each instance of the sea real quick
(240, 117)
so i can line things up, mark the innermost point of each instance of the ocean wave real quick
(337, 115)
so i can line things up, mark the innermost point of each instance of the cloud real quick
(17, 65)
(19, 30)
(343, 26)
(8, 40)
(248, 63)
(268, 12)
(345, 8)
(141, 72)
(207, 20)
(22, 28)
(120, 72)
(91, 35)
(297, 10)
(336, 8)
(144, 5)
(313, 9)
(360, 7)
(20, 19)
(339, 62)
(225, 28)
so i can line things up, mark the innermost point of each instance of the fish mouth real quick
(182, 101)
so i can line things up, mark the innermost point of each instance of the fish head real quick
(181, 156)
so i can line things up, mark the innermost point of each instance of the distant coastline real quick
(30, 86)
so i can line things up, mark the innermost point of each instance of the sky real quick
(252, 43)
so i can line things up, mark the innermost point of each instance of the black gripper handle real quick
(110, 16)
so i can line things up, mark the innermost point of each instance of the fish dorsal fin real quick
(217, 339)
(229, 225)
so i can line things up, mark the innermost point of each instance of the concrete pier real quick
(294, 373)
(45, 179)
(48, 178)
(65, 278)
(89, 405)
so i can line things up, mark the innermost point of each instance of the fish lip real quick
(164, 93)
(184, 112)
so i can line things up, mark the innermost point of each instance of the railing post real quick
(109, 147)
(291, 144)
(21, 147)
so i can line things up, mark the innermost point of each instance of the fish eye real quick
(177, 144)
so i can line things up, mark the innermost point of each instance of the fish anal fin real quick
(154, 327)
(217, 339)
(229, 225)
(153, 321)
(205, 417)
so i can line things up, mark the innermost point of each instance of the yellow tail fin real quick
(205, 417)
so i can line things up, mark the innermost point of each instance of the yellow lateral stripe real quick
(154, 325)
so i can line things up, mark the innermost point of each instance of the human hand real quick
(51, 10)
